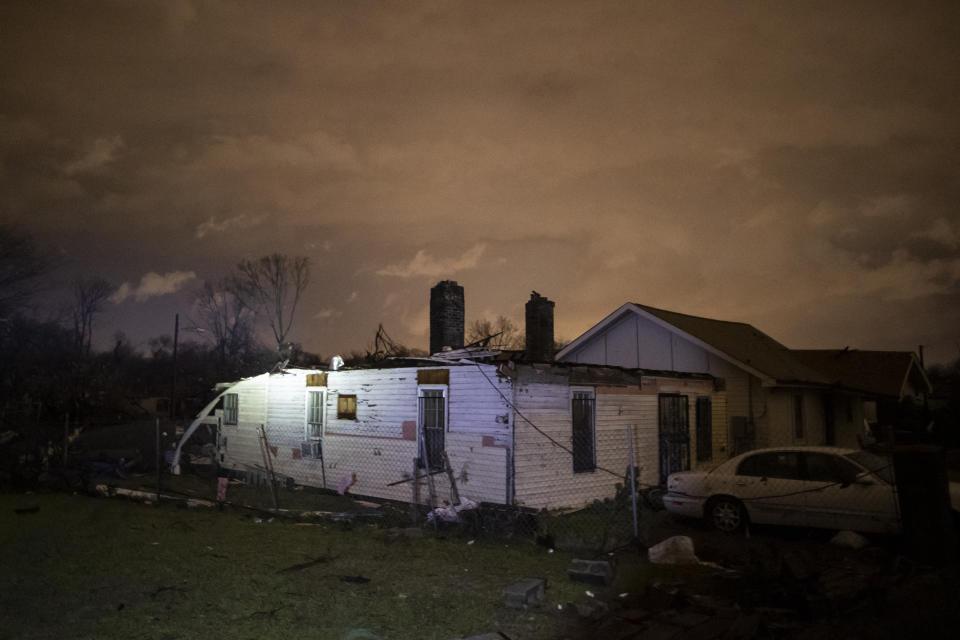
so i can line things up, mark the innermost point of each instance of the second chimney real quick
(539, 328)
(446, 316)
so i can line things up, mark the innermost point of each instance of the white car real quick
(824, 487)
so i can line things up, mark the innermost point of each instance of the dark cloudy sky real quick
(795, 165)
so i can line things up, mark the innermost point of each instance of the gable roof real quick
(880, 372)
(739, 343)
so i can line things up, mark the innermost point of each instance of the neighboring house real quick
(540, 435)
(892, 381)
(764, 394)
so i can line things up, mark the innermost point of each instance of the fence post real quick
(66, 437)
(633, 481)
(268, 464)
(158, 458)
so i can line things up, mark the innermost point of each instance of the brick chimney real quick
(539, 330)
(446, 316)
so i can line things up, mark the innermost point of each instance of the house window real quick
(347, 406)
(432, 422)
(315, 404)
(584, 436)
(231, 404)
(798, 416)
(704, 429)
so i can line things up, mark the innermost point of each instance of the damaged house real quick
(518, 428)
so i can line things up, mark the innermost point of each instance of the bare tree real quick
(224, 313)
(21, 265)
(89, 294)
(273, 285)
(500, 333)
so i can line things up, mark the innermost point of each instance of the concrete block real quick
(526, 593)
(598, 572)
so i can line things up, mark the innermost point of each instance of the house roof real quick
(881, 372)
(744, 343)
(737, 342)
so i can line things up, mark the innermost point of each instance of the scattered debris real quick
(598, 572)
(675, 550)
(268, 613)
(343, 486)
(849, 539)
(307, 564)
(526, 593)
(451, 514)
(591, 609)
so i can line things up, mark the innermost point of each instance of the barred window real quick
(584, 436)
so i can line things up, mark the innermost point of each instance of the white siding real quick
(654, 345)
(621, 343)
(378, 447)
(544, 471)
(594, 352)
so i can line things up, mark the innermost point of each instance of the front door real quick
(674, 434)
(432, 424)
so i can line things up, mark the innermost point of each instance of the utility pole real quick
(173, 386)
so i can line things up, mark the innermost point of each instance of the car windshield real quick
(879, 465)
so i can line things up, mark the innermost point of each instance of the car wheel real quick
(726, 514)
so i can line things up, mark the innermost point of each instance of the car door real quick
(771, 487)
(844, 495)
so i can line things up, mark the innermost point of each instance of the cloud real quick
(153, 284)
(212, 225)
(940, 231)
(417, 323)
(98, 153)
(423, 264)
(327, 314)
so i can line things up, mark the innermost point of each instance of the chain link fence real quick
(889, 491)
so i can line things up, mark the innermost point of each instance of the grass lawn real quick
(83, 567)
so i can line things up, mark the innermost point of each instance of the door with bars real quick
(674, 412)
(432, 415)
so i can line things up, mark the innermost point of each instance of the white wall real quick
(544, 471)
(378, 447)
